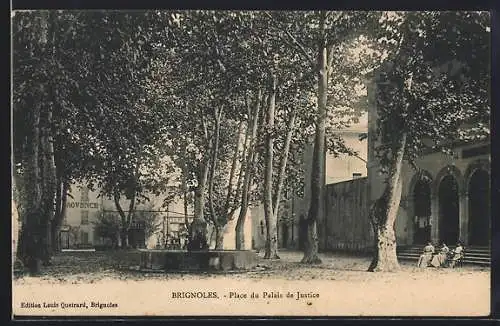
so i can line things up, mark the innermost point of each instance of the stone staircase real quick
(474, 255)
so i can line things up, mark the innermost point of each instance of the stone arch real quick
(444, 172)
(419, 195)
(449, 188)
(478, 190)
(481, 164)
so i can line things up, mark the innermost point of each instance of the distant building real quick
(83, 207)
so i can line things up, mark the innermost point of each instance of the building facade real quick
(448, 199)
(82, 209)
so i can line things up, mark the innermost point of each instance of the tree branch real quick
(295, 42)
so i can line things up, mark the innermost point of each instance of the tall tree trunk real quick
(245, 200)
(199, 192)
(14, 232)
(18, 191)
(49, 181)
(53, 225)
(240, 223)
(271, 229)
(60, 213)
(283, 163)
(219, 237)
(45, 217)
(241, 185)
(383, 214)
(198, 227)
(30, 240)
(33, 235)
(185, 187)
(126, 219)
(16, 198)
(243, 163)
(316, 208)
(234, 166)
(213, 167)
(199, 224)
(46, 148)
(282, 168)
(186, 216)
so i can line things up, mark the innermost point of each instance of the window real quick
(85, 195)
(262, 227)
(85, 237)
(85, 218)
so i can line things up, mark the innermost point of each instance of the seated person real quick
(456, 254)
(426, 257)
(440, 259)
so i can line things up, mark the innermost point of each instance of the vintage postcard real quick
(250, 163)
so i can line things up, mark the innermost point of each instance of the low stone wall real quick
(125, 258)
(179, 260)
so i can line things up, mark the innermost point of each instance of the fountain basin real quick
(182, 260)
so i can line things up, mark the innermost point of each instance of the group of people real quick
(444, 258)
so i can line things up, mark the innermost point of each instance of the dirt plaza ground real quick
(340, 286)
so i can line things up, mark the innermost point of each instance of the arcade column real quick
(464, 216)
(410, 222)
(434, 219)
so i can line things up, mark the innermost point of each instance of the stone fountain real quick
(198, 256)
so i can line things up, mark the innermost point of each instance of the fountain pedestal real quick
(203, 260)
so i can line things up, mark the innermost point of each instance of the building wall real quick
(337, 170)
(342, 168)
(230, 232)
(258, 227)
(346, 225)
(82, 209)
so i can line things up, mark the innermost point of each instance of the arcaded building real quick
(448, 199)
